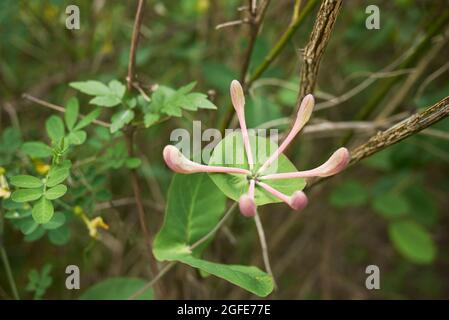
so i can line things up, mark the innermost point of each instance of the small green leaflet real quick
(77, 137)
(171, 102)
(36, 149)
(56, 221)
(91, 116)
(25, 195)
(230, 153)
(71, 113)
(55, 128)
(105, 96)
(26, 181)
(412, 241)
(120, 119)
(55, 192)
(194, 207)
(150, 119)
(42, 211)
(57, 175)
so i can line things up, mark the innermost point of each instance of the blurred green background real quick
(391, 210)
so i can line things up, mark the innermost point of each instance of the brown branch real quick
(59, 108)
(404, 129)
(134, 43)
(314, 50)
(255, 22)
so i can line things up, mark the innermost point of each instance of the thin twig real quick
(231, 24)
(297, 19)
(59, 108)
(263, 244)
(134, 43)
(6, 263)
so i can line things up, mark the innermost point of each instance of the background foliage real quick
(390, 210)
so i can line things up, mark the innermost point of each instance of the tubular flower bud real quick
(176, 161)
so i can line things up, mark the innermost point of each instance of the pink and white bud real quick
(303, 116)
(176, 161)
(337, 162)
(247, 206)
(238, 101)
(237, 96)
(298, 200)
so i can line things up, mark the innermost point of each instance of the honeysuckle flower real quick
(257, 177)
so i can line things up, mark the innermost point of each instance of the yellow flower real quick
(4, 187)
(91, 224)
(40, 167)
(94, 224)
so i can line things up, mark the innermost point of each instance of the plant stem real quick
(263, 244)
(297, 19)
(169, 265)
(6, 264)
(134, 43)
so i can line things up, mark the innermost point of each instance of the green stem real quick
(6, 264)
(286, 36)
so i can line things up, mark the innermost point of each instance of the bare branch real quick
(134, 43)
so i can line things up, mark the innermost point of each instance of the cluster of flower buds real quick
(247, 204)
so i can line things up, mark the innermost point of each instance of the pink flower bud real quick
(176, 161)
(237, 96)
(337, 162)
(304, 113)
(247, 206)
(298, 200)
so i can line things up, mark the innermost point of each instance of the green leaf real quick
(28, 226)
(77, 137)
(25, 195)
(56, 192)
(150, 118)
(59, 236)
(351, 193)
(391, 205)
(195, 101)
(26, 181)
(91, 87)
(117, 88)
(133, 163)
(42, 211)
(56, 221)
(35, 235)
(71, 113)
(106, 101)
(423, 207)
(194, 207)
(412, 241)
(37, 149)
(117, 289)
(120, 119)
(57, 175)
(230, 153)
(55, 128)
(91, 116)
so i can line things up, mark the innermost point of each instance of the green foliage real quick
(350, 193)
(118, 288)
(412, 241)
(195, 205)
(229, 152)
(39, 282)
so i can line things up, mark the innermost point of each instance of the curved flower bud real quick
(337, 162)
(247, 206)
(303, 116)
(238, 101)
(176, 161)
(297, 201)
(247, 203)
